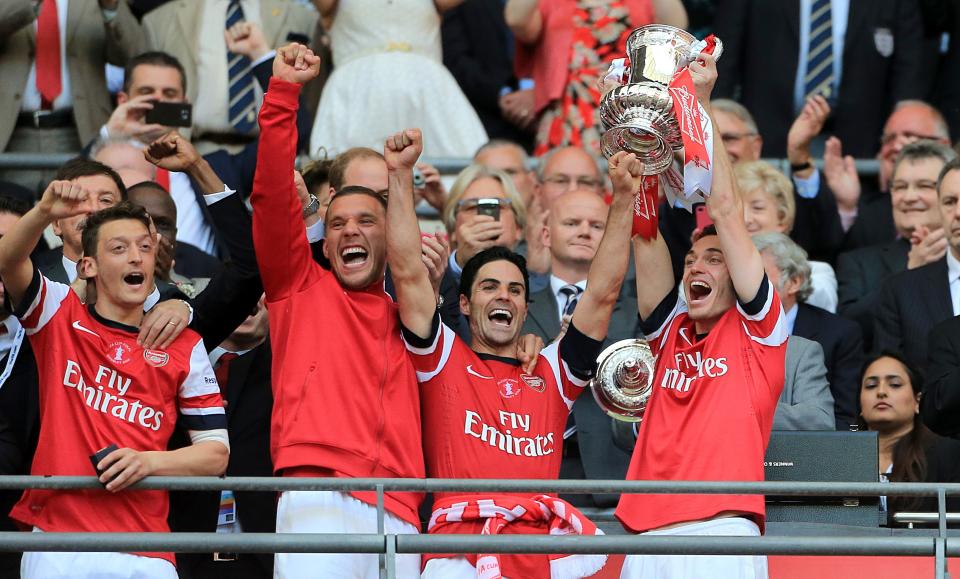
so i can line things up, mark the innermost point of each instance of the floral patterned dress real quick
(600, 31)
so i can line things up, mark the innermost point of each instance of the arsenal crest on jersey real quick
(156, 358)
(535, 382)
(508, 387)
(119, 353)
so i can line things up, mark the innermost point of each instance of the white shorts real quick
(699, 566)
(56, 565)
(336, 512)
(450, 568)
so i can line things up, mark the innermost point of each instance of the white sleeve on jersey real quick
(201, 407)
(430, 359)
(656, 337)
(568, 385)
(768, 326)
(40, 303)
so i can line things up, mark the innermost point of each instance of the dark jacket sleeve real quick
(731, 25)
(940, 405)
(845, 376)
(856, 300)
(231, 294)
(817, 227)
(481, 84)
(887, 331)
(906, 77)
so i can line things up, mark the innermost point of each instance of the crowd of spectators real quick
(866, 262)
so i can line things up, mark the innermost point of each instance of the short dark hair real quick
(359, 190)
(156, 58)
(146, 185)
(497, 253)
(13, 205)
(120, 211)
(316, 173)
(951, 165)
(84, 167)
(338, 167)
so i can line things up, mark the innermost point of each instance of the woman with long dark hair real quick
(890, 391)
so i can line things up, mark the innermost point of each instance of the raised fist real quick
(63, 199)
(246, 38)
(626, 174)
(172, 152)
(402, 150)
(296, 63)
(704, 75)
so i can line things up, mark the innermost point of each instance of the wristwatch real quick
(311, 207)
(797, 167)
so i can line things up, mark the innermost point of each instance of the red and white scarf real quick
(683, 184)
(558, 517)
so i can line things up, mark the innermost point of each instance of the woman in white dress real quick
(388, 75)
(769, 207)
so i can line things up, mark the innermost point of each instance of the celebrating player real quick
(99, 388)
(484, 416)
(719, 373)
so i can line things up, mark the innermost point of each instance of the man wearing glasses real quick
(568, 169)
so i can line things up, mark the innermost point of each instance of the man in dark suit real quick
(914, 301)
(478, 50)
(575, 227)
(242, 365)
(841, 340)
(940, 405)
(864, 204)
(864, 59)
(922, 239)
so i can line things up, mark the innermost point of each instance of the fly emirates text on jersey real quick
(108, 396)
(691, 366)
(503, 436)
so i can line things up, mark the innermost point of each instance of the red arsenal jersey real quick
(711, 410)
(483, 417)
(98, 387)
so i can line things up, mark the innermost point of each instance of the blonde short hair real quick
(475, 173)
(761, 175)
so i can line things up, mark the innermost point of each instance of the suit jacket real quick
(192, 262)
(842, 344)
(860, 274)
(174, 28)
(874, 223)
(600, 458)
(940, 405)
(90, 44)
(880, 66)
(806, 402)
(911, 304)
(477, 48)
(249, 403)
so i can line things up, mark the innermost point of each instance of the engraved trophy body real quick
(638, 117)
(624, 379)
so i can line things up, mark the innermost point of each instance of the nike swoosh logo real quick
(77, 326)
(683, 334)
(470, 370)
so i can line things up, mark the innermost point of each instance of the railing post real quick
(391, 556)
(380, 531)
(942, 572)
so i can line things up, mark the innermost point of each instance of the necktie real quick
(48, 54)
(572, 294)
(222, 372)
(819, 79)
(242, 105)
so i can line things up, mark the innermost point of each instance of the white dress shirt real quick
(556, 284)
(31, 96)
(192, 226)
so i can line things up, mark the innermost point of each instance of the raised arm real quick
(411, 280)
(724, 205)
(283, 253)
(609, 266)
(655, 279)
(62, 199)
(524, 19)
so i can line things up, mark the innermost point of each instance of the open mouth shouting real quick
(699, 291)
(501, 317)
(134, 279)
(354, 256)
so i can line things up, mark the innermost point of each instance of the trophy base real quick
(641, 137)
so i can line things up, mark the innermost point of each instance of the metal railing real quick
(388, 545)
(446, 165)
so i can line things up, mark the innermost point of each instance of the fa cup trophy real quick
(639, 115)
(624, 378)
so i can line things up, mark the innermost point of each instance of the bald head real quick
(569, 169)
(910, 120)
(510, 158)
(125, 159)
(159, 204)
(574, 229)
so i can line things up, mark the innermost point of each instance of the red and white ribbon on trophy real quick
(684, 184)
